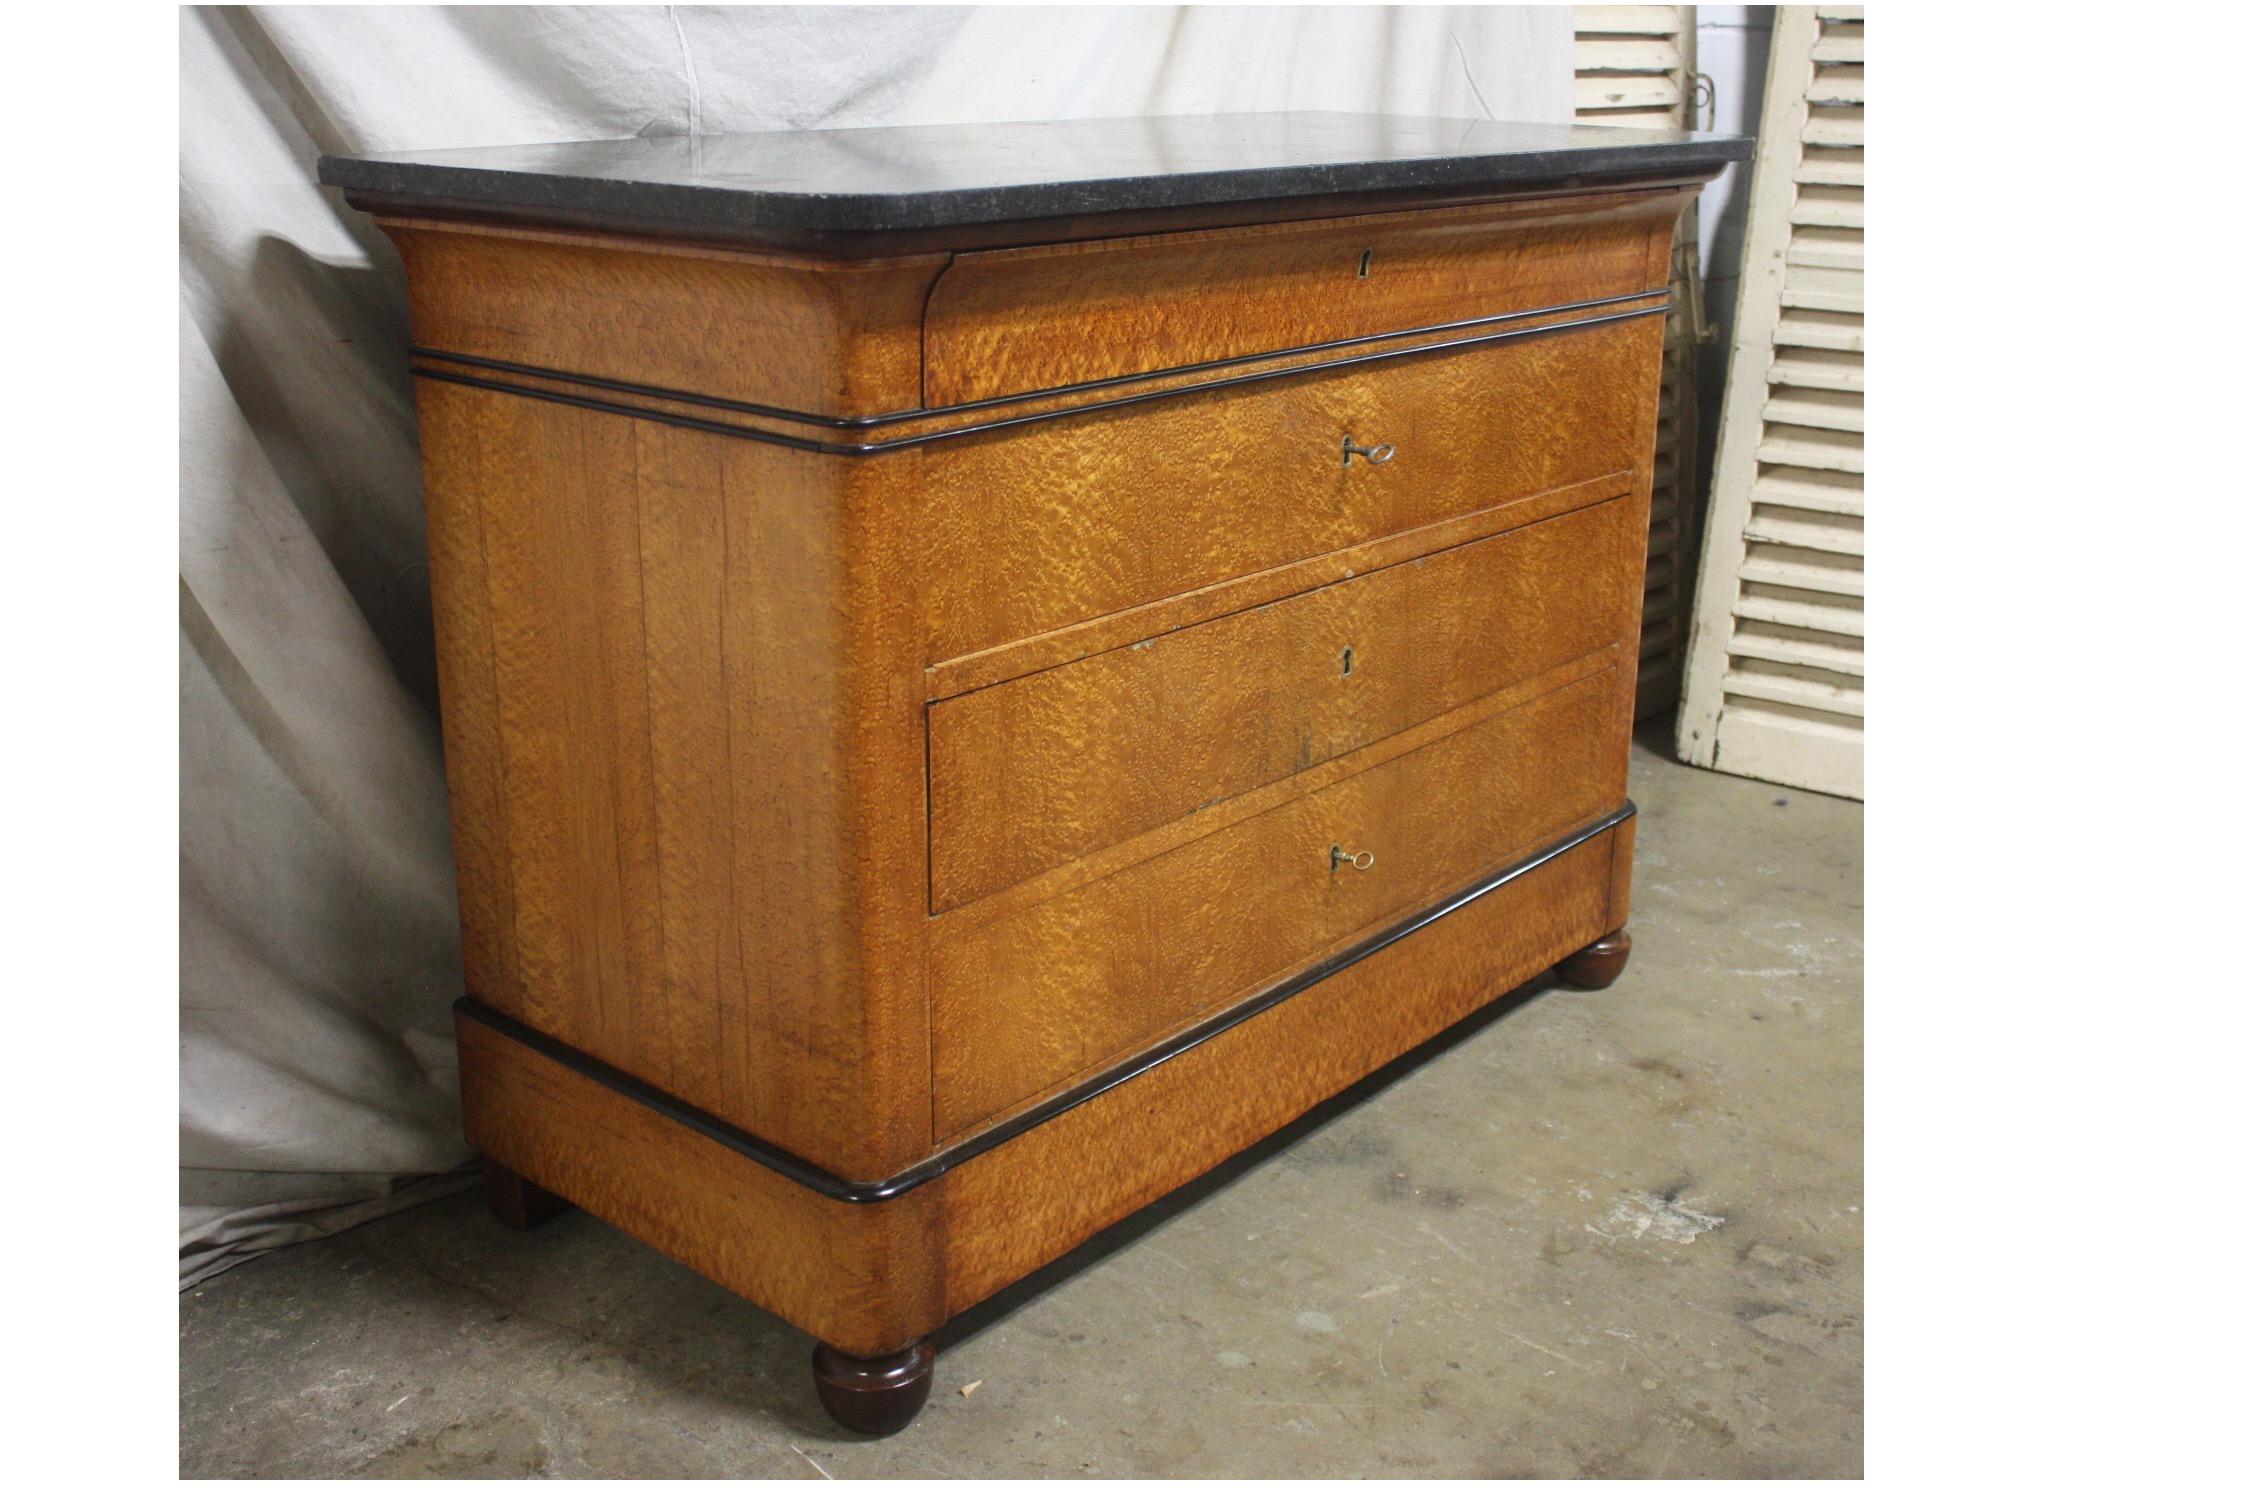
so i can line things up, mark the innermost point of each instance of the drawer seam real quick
(1250, 804)
(949, 668)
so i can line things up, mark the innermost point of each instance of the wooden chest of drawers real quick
(973, 694)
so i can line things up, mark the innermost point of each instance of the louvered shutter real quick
(1774, 687)
(1634, 66)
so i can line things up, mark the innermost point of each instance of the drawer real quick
(1034, 998)
(1055, 765)
(1041, 527)
(1034, 318)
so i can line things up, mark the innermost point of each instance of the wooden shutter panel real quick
(1774, 686)
(1634, 66)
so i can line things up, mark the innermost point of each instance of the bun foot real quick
(1597, 964)
(876, 1396)
(516, 1200)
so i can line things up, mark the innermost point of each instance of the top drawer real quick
(1035, 529)
(1035, 318)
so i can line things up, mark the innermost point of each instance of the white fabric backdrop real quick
(318, 946)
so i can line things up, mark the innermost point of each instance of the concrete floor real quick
(1612, 1234)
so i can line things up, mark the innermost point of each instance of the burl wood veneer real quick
(974, 696)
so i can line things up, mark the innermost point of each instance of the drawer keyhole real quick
(1363, 268)
(1347, 661)
(1358, 861)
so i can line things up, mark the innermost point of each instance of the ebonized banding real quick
(915, 414)
(884, 446)
(814, 1177)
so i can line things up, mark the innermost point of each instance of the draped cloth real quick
(319, 953)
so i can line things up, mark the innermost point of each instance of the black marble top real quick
(922, 178)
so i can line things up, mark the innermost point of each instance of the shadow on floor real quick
(1130, 1229)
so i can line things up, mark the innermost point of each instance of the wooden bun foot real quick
(876, 1396)
(516, 1200)
(1597, 964)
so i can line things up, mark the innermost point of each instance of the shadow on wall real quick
(336, 420)
(1734, 51)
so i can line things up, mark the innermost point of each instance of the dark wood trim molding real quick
(915, 414)
(884, 446)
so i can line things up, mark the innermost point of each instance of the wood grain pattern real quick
(1023, 1204)
(862, 1278)
(1075, 518)
(841, 339)
(1617, 886)
(691, 767)
(1196, 826)
(1059, 764)
(564, 599)
(870, 437)
(1047, 992)
(454, 532)
(697, 692)
(1043, 316)
(706, 978)
(875, 1278)
(1102, 634)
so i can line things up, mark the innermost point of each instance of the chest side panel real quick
(682, 690)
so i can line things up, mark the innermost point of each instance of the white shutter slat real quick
(1841, 615)
(1835, 125)
(1842, 43)
(1842, 208)
(1768, 642)
(1797, 527)
(1834, 291)
(1811, 490)
(1840, 250)
(1837, 85)
(1816, 330)
(1626, 54)
(1815, 409)
(1802, 569)
(1811, 448)
(1617, 91)
(1828, 370)
(1809, 689)
(1840, 166)
(1774, 677)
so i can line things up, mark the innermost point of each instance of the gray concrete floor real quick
(1612, 1234)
